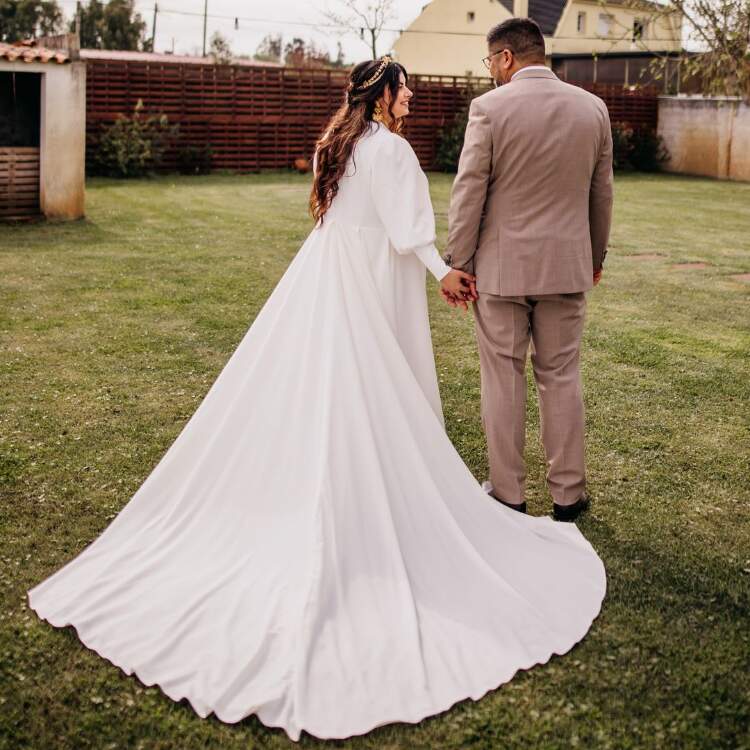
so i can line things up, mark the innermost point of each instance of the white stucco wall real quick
(707, 136)
(62, 142)
(449, 54)
(662, 34)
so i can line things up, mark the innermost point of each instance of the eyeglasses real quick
(488, 60)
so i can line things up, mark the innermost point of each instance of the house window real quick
(639, 29)
(470, 16)
(606, 24)
(581, 23)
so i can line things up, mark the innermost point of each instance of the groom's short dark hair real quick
(522, 36)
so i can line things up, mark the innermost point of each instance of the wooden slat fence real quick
(257, 117)
(638, 108)
(19, 182)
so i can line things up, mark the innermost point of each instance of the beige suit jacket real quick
(531, 205)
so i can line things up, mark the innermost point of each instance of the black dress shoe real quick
(571, 512)
(520, 507)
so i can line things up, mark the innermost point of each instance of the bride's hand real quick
(451, 300)
(459, 286)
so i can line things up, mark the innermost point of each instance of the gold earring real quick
(377, 114)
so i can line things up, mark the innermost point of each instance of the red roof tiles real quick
(25, 52)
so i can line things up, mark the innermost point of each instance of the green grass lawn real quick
(113, 328)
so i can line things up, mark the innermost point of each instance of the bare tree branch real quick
(721, 31)
(360, 16)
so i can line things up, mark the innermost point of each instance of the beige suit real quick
(530, 215)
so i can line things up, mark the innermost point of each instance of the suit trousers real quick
(553, 323)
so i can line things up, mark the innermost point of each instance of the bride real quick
(311, 548)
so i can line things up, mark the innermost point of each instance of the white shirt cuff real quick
(430, 256)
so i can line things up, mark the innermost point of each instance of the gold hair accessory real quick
(385, 61)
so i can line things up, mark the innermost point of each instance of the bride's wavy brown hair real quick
(348, 125)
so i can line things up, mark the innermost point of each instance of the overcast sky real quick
(286, 17)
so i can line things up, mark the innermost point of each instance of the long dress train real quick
(311, 548)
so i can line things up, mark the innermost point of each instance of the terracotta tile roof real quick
(26, 52)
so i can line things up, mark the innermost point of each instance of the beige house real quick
(573, 29)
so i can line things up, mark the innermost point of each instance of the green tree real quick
(717, 32)
(720, 29)
(220, 49)
(301, 54)
(269, 50)
(23, 19)
(91, 16)
(115, 25)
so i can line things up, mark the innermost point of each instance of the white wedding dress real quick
(311, 548)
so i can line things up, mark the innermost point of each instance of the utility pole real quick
(78, 22)
(205, 18)
(153, 29)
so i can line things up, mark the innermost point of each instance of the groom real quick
(530, 217)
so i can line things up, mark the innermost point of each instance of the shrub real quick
(638, 149)
(621, 146)
(648, 152)
(451, 140)
(450, 144)
(195, 159)
(132, 146)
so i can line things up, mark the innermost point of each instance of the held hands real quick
(457, 288)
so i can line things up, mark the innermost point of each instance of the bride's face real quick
(401, 103)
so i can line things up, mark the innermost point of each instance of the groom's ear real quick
(506, 57)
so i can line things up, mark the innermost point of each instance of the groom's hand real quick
(451, 300)
(598, 276)
(458, 288)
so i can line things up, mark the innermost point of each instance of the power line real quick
(431, 32)
(340, 27)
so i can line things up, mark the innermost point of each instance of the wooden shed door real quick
(19, 144)
(19, 182)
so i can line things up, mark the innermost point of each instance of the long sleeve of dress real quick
(401, 196)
